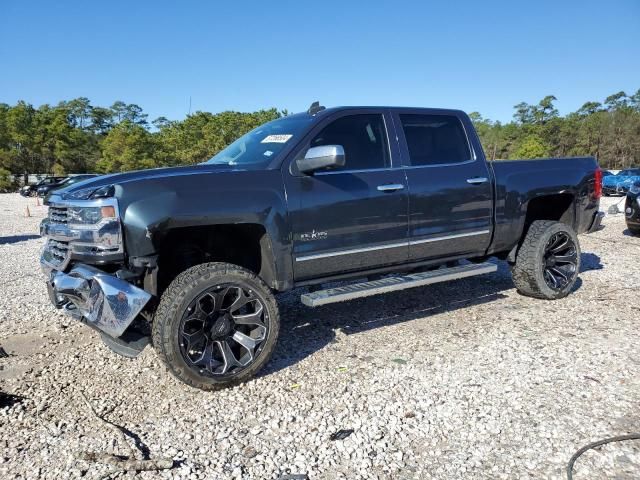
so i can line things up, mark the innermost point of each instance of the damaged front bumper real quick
(102, 301)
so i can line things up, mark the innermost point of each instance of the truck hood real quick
(138, 175)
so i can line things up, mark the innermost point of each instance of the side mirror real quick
(325, 156)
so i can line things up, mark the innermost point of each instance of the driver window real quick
(363, 137)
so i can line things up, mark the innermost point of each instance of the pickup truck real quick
(381, 199)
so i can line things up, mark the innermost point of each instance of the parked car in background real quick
(31, 190)
(44, 190)
(619, 184)
(632, 208)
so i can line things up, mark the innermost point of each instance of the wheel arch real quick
(558, 207)
(248, 245)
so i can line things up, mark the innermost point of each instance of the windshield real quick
(260, 146)
(77, 179)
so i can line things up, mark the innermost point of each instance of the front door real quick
(354, 217)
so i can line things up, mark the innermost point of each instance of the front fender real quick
(150, 208)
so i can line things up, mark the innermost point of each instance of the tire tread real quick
(172, 298)
(525, 272)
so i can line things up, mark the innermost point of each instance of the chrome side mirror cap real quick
(318, 158)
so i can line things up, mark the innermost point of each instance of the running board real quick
(391, 284)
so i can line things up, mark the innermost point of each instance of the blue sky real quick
(477, 55)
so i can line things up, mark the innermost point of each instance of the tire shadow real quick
(17, 239)
(590, 261)
(304, 330)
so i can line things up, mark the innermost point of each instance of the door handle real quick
(477, 180)
(391, 187)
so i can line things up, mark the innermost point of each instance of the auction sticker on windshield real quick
(276, 138)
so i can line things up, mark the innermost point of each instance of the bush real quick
(58, 170)
(6, 182)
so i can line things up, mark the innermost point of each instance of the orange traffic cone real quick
(27, 213)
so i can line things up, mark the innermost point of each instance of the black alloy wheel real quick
(560, 261)
(547, 262)
(223, 330)
(216, 325)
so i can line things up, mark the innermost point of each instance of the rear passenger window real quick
(363, 137)
(435, 139)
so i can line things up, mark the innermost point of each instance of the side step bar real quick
(391, 284)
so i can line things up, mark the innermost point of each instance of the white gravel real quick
(461, 380)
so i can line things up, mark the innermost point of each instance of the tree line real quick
(77, 137)
(608, 130)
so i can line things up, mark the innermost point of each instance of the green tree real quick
(545, 110)
(6, 183)
(532, 146)
(127, 146)
(616, 101)
(524, 113)
(101, 120)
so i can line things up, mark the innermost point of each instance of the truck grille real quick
(58, 252)
(58, 214)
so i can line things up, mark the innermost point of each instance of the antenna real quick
(315, 108)
(189, 105)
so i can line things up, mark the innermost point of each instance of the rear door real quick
(450, 188)
(354, 217)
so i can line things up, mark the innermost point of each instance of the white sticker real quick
(268, 153)
(276, 138)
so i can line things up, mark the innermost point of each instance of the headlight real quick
(92, 192)
(90, 215)
(635, 188)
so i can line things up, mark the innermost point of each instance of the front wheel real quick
(548, 262)
(216, 325)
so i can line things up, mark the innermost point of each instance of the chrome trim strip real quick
(449, 237)
(360, 170)
(318, 256)
(413, 167)
(349, 252)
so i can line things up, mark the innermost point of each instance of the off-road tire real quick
(528, 270)
(184, 288)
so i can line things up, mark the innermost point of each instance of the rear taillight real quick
(597, 186)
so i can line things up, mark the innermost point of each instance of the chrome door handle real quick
(391, 187)
(477, 180)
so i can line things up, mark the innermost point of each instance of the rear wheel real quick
(548, 261)
(216, 325)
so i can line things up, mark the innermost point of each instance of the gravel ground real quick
(461, 380)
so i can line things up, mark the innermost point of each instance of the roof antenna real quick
(315, 108)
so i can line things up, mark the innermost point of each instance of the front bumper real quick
(102, 301)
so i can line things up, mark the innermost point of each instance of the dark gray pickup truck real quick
(190, 258)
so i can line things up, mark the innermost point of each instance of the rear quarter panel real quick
(520, 181)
